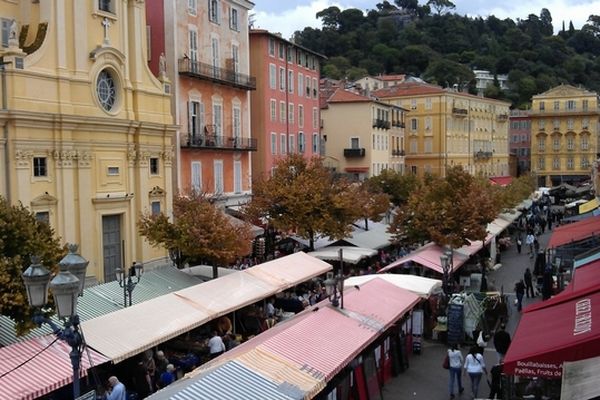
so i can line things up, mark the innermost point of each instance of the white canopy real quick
(350, 255)
(124, 333)
(206, 271)
(580, 379)
(419, 285)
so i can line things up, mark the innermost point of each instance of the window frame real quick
(39, 167)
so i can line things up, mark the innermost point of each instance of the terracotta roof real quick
(397, 77)
(408, 89)
(345, 96)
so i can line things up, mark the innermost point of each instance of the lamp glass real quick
(139, 269)
(36, 279)
(65, 289)
(119, 274)
(444, 261)
(76, 264)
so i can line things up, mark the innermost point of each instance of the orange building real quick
(206, 66)
(285, 105)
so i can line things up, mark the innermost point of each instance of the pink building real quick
(206, 63)
(519, 132)
(285, 105)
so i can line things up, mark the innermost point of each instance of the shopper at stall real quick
(501, 342)
(117, 390)
(455, 362)
(167, 377)
(475, 367)
(216, 347)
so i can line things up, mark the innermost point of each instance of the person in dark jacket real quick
(496, 383)
(501, 342)
(520, 292)
(528, 278)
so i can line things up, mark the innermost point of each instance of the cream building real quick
(87, 128)
(362, 136)
(445, 128)
(564, 135)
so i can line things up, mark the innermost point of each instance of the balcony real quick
(381, 123)
(354, 153)
(460, 112)
(482, 155)
(398, 124)
(572, 111)
(398, 153)
(223, 76)
(502, 117)
(216, 142)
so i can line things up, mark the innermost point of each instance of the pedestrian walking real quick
(501, 342)
(519, 244)
(475, 367)
(455, 362)
(528, 279)
(529, 242)
(215, 345)
(496, 382)
(520, 292)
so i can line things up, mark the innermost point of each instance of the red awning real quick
(585, 281)
(46, 366)
(550, 336)
(574, 232)
(501, 180)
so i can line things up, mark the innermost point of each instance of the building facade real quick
(362, 136)
(87, 127)
(564, 143)
(285, 105)
(519, 132)
(446, 128)
(484, 79)
(200, 50)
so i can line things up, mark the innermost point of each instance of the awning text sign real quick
(541, 369)
(583, 317)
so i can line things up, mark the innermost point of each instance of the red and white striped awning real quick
(38, 366)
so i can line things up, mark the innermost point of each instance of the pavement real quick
(425, 379)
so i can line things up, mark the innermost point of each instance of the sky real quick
(287, 16)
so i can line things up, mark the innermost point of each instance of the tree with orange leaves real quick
(200, 232)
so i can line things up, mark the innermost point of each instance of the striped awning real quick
(232, 381)
(38, 366)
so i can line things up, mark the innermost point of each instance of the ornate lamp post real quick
(446, 262)
(66, 286)
(334, 284)
(135, 271)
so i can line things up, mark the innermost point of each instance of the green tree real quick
(21, 236)
(330, 17)
(200, 232)
(304, 197)
(447, 73)
(441, 6)
(396, 185)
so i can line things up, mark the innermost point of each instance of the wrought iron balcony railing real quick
(224, 76)
(354, 153)
(219, 142)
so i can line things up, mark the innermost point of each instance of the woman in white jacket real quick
(475, 367)
(455, 362)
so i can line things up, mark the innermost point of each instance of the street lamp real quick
(136, 270)
(446, 262)
(334, 288)
(66, 286)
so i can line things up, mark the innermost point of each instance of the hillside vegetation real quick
(432, 42)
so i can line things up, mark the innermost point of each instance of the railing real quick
(502, 117)
(381, 123)
(576, 110)
(197, 69)
(398, 124)
(480, 155)
(354, 153)
(398, 153)
(219, 142)
(461, 112)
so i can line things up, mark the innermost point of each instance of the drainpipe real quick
(5, 128)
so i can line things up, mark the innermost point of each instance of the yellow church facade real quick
(87, 129)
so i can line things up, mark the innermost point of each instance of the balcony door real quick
(111, 245)
(354, 143)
